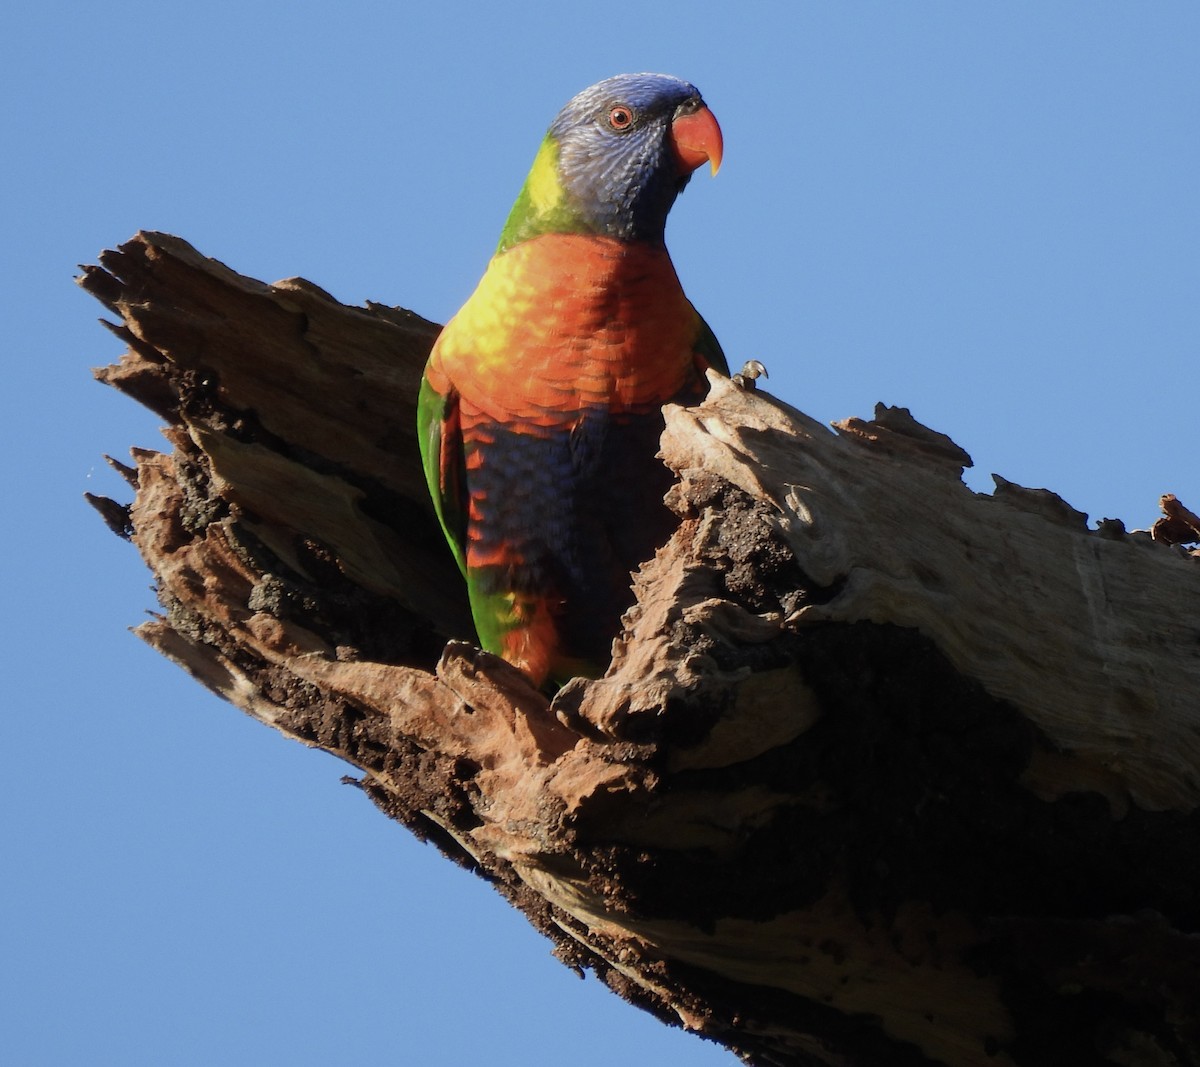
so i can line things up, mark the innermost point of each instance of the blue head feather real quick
(592, 178)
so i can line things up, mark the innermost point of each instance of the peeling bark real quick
(883, 771)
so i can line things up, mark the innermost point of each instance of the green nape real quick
(543, 205)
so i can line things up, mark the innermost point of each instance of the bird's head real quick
(614, 159)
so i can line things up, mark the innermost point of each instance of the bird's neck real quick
(582, 203)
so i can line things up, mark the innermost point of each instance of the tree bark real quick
(883, 771)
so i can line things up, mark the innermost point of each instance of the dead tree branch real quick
(884, 771)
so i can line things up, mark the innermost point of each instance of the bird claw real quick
(751, 370)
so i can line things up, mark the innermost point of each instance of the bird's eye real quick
(620, 117)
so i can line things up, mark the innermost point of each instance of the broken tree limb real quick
(883, 771)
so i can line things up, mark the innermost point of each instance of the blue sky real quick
(986, 212)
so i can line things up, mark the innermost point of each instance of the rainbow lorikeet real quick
(540, 408)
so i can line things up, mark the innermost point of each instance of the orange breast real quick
(564, 322)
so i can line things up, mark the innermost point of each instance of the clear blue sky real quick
(986, 212)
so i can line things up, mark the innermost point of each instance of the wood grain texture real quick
(883, 771)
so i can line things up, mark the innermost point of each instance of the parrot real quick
(540, 408)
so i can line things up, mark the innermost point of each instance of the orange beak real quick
(696, 139)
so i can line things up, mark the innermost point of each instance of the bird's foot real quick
(751, 371)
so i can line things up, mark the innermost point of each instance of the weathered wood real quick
(884, 771)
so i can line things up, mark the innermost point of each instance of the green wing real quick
(709, 347)
(440, 438)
